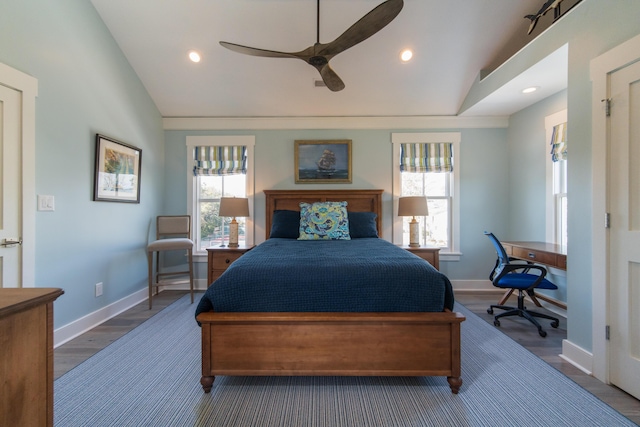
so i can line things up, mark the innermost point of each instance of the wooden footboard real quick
(321, 344)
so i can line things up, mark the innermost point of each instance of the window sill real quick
(450, 256)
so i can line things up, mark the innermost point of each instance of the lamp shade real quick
(234, 206)
(413, 206)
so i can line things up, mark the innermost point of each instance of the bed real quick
(355, 336)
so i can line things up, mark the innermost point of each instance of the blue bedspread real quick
(358, 275)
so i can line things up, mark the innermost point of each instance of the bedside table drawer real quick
(427, 253)
(220, 258)
(224, 259)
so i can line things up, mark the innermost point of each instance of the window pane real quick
(434, 228)
(436, 225)
(412, 183)
(436, 184)
(235, 185)
(214, 230)
(211, 227)
(428, 184)
(210, 186)
(561, 203)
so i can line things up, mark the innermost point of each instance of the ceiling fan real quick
(320, 54)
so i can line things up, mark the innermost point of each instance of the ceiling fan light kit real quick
(320, 54)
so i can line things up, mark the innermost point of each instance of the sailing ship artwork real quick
(323, 161)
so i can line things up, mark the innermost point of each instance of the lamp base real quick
(233, 234)
(414, 233)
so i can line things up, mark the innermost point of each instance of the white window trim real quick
(550, 200)
(248, 141)
(429, 137)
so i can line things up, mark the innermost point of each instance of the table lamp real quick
(233, 207)
(413, 206)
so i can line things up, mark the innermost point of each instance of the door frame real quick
(601, 69)
(28, 88)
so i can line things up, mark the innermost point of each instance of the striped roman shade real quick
(559, 142)
(426, 157)
(220, 160)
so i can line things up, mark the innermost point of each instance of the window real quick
(222, 176)
(556, 200)
(431, 169)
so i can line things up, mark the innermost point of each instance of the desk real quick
(540, 252)
(548, 254)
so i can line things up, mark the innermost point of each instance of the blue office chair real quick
(508, 274)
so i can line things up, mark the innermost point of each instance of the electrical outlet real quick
(98, 289)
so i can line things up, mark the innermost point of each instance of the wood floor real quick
(81, 348)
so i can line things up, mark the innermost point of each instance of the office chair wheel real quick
(542, 333)
(555, 324)
(490, 310)
(496, 323)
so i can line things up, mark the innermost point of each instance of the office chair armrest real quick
(522, 262)
(524, 266)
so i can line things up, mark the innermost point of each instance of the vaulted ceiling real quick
(452, 40)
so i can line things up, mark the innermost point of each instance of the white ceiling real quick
(452, 40)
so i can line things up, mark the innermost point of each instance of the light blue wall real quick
(590, 29)
(595, 27)
(483, 198)
(86, 86)
(528, 158)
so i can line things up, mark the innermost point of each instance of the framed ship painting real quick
(323, 162)
(117, 175)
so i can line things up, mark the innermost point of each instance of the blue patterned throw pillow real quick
(324, 221)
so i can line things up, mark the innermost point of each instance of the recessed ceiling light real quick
(406, 55)
(530, 89)
(194, 56)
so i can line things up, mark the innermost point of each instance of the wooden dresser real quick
(220, 258)
(26, 356)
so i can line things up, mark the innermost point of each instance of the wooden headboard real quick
(357, 201)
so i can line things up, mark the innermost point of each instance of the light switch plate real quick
(46, 203)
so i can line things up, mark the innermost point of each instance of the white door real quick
(10, 189)
(624, 255)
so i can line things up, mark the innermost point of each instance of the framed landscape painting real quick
(117, 174)
(318, 162)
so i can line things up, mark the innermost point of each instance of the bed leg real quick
(207, 382)
(454, 383)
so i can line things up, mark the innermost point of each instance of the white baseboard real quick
(577, 356)
(78, 327)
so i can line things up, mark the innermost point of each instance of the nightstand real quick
(219, 259)
(430, 254)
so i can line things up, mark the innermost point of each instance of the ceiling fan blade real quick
(331, 79)
(368, 25)
(257, 52)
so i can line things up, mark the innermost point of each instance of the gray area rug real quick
(151, 377)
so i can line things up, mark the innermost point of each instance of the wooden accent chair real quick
(173, 233)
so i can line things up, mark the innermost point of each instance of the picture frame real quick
(117, 171)
(323, 161)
